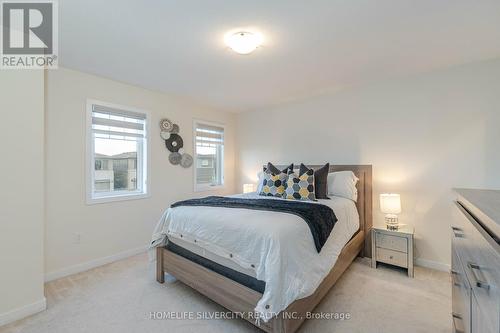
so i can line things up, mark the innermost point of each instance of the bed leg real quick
(160, 273)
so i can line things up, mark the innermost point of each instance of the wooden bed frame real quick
(241, 299)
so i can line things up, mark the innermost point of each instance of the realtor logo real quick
(29, 34)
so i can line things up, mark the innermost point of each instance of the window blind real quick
(209, 136)
(113, 123)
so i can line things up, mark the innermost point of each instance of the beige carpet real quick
(120, 297)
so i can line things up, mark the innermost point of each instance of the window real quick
(209, 155)
(116, 153)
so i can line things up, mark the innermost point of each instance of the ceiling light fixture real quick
(243, 42)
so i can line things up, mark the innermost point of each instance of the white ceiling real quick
(311, 46)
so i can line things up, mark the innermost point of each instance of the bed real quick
(237, 284)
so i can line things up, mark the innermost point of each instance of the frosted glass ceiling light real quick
(243, 42)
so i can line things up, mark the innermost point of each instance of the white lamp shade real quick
(390, 203)
(248, 188)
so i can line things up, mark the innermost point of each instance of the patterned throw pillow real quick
(270, 168)
(300, 187)
(274, 185)
(320, 180)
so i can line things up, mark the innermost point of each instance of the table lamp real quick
(390, 204)
(248, 188)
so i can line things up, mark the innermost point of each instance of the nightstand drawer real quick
(392, 242)
(392, 257)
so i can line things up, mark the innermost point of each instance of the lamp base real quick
(391, 221)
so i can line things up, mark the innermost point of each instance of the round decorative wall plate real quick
(174, 143)
(186, 160)
(175, 158)
(165, 135)
(175, 129)
(166, 125)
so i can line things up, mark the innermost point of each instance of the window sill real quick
(116, 198)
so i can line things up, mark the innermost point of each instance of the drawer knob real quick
(391, 257)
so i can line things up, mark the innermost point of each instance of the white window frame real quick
(91, 197)
(206, 187)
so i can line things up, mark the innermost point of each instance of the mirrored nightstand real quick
(394, 247)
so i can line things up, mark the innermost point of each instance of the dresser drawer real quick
(392, 257)
(392, 242)
(461, 235)
(482, 319)
(461, 296)
(482, 267)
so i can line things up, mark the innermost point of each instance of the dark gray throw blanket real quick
(319, 218)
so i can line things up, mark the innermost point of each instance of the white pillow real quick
(260, 185)
(343, 184)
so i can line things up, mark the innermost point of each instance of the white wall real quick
(21, 200)
(121, 227)
(423, 135)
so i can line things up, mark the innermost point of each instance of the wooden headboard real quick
(364, 203)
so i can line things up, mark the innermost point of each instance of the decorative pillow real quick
(273, 185)
(343, 184)
(300, 187)
(320, 180)
(260, 176)
(270, 168)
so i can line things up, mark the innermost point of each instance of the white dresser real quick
(475, 232)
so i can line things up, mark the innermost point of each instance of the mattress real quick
(242, 278)
(195, 249)
(345, 228)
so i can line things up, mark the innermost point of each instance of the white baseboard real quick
(85, 266)
(24, 311)
(432, 264)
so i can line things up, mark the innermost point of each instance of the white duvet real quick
(279, 247)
